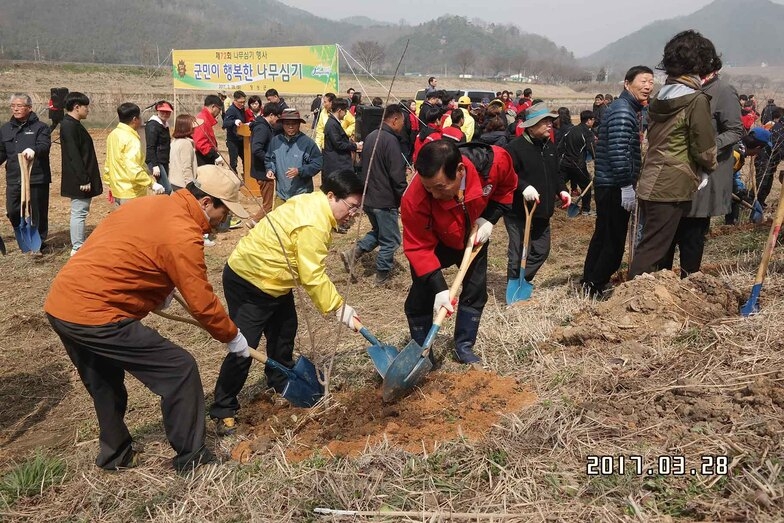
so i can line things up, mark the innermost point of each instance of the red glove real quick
(566, 199)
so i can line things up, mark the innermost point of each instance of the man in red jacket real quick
(455, 189)
(203, 135)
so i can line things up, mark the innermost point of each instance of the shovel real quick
(751, 306)
(521, 289)
(302, 389)
(413, 362)
(381, 355)
(31, 240)
(757, 214)
(574, 209)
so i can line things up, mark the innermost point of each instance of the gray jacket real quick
(716, 198)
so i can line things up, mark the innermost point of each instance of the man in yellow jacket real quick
(258, 283)
(125, 172)
(469, 124)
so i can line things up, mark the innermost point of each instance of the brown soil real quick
(448, 406)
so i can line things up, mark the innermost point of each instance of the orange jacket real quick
(133, 260)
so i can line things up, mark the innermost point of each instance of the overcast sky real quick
(582, 26)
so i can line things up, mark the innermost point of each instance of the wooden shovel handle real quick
(255, 354)
(469, 254)
(772, 237)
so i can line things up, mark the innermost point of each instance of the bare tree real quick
(498, 63)
(368, 52)
(464, 59)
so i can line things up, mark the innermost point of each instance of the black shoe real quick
(383, 277)
(590, 290)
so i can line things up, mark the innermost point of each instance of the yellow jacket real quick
(124, 171)
(467, 127)
(349, 124)
(304, 224)
(322, 121)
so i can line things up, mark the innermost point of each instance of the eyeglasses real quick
(352, 207)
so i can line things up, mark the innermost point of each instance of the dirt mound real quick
(653, 305)
(446, 407)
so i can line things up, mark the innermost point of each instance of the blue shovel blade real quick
(518, 290)
(382, 357)
(303, 388)
(408, 369)
(573, 210)
(757, 214)
(21, 238)
(751, 306)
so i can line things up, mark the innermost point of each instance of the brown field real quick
(664, 367)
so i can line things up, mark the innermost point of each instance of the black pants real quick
(236, 150)
(103, 355)
(660, 224)
(39, 201)
(605, 252)
(474, 294)
(764, 175)
(578, 177)
(255, 313)
(690, 240)
(538, 245)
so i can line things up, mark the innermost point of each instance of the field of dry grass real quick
(664, 369)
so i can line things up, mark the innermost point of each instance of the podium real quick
(250, 183)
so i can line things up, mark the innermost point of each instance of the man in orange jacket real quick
(122, 273)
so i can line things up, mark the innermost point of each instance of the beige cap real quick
(221, 182)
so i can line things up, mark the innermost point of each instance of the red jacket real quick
(428, 222)
(434, 135)
(204, 134)
(454, 133)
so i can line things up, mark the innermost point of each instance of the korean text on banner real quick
(295, 70)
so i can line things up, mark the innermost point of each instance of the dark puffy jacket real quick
(158, 143)
(337, 148)
(261, 137)
(499, 138)
(79, 163)
(618, 156)
(535, 164)
(15, 137)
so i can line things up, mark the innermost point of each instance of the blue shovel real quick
(521, 289)
(381, 355)
(751, 306)
(30, 239)
(413, 363)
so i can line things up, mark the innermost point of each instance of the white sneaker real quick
(73, 251)
(208, 242)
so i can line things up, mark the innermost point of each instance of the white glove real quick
(484, 229)
(346, 314)
(530, 194)
(628, 198)
(85, 188)
(28, 153)
(219, 160)
(239, 345)
(158, 188)
(167, 301)
(237, 122)
(156, 171)
(442, 300)
(703, 181)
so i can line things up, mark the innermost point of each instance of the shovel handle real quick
(358, 327)
(255, 354)
(580, 197)
(469, 254)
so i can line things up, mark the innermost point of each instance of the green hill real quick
(117, 31)
(746, 33)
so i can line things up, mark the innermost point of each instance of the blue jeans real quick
(79, 209)
(164, 180)
(385, 235)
